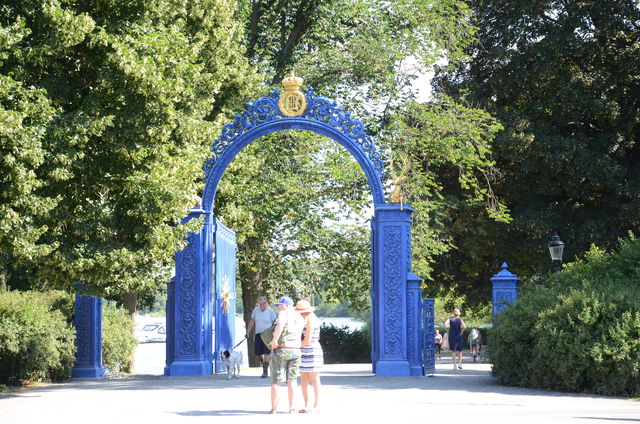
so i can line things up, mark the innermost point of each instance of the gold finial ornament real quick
(292, 101)
(396, 194)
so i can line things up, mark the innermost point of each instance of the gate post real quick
(88, 322)
(187, 353)
(428, 341)
(414, 324)
(504, 289)
(392, 264)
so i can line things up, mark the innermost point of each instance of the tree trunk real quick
(130, 302)
(252, 287)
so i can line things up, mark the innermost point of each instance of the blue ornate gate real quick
(396, 307)
(428, 338)
(225, 291)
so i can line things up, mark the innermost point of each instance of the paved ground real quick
(351, 394)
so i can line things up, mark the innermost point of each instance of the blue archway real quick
(321, 116)
(395, 291)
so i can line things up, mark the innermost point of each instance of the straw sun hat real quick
(304, 306)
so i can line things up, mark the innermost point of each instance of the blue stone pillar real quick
(393, 306)
(88, 322)
(188, 308)
(504, 289)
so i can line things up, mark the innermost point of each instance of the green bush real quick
(118, 340)
(36, 340)
(341, 345)
(581, 333)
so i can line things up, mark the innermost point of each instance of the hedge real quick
(118, 340)
(36, 339)
(580, 333)
(342, 345)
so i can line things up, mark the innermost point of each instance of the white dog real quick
(232, 360)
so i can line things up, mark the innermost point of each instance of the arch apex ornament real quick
(292, 102)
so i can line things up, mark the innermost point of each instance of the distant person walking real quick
(285, 347)
(262, 317)
(438, 342)
(312, 356)
(455, 326)
(475, 342)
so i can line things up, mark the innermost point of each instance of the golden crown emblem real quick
(292, 102)
(292, 82)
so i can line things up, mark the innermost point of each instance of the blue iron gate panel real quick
(225, 291)
(428, 339)
(374, 316)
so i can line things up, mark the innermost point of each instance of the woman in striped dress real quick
(312, 355)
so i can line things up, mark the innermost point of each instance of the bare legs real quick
(291, 391)
(312, 378)
(459, 355)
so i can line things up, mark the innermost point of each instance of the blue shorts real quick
(455, 343)
(259, 347)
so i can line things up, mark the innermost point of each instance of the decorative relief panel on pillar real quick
(502, 299)
(97, 347)
(412, 327)
(187, 296)
(428, 342)
(392, 296)
(83, 330)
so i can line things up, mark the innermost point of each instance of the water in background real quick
(150, 357)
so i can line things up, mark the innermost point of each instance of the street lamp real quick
(556, 246)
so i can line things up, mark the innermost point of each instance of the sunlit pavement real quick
(350, 392)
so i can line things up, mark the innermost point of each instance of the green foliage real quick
(36, 340)
(118, 339)
(444, 151)
(343, 346)
(562, 78)
(581, 333)
(124, 101)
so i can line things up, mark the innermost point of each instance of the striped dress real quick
(312, 355)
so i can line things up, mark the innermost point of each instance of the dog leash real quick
(234, 348)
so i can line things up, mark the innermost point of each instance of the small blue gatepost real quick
(88, 322)
(504, 289)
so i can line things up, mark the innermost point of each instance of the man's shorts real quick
(474, 343)
(259, 347)
(285, 365)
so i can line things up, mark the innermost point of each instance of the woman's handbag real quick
(267, 335)
(445, 341)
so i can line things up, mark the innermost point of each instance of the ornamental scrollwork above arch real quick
(319, 109)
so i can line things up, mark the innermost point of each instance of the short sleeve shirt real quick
(294, 326)
(264, 319)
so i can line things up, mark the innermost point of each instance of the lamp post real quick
(556, 246)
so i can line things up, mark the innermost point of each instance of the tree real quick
(126, 100)
(562, 78)
(445, 151)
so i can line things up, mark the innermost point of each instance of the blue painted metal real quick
(504, 289)
(414, 323)
(225, 286)
(189, 309)
(396, 339)
(88, 322)
(322, 116)
(428, 339)
(392, 265)
(375, 328)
